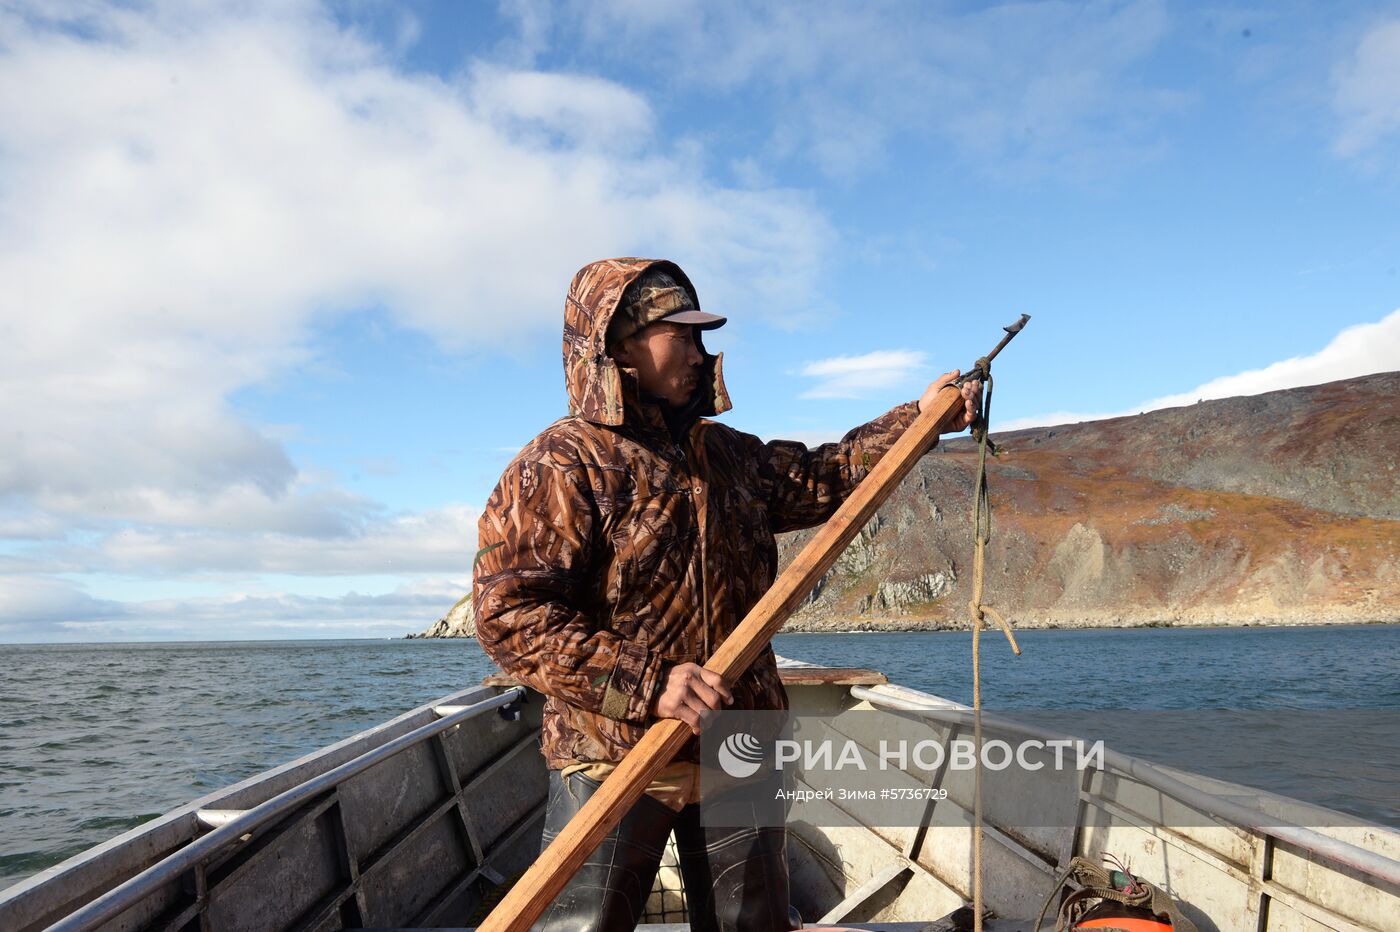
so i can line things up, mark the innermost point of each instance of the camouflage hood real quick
(600, 390)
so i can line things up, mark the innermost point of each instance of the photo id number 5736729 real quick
(914, 792)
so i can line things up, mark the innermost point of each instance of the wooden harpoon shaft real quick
(537, 888)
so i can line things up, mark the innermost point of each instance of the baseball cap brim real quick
(698, 318)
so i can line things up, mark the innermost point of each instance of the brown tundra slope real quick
(1274, 508)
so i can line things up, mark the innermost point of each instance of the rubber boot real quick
(736, 879)
(609, 892)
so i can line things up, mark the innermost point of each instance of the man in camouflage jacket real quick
(618, 551)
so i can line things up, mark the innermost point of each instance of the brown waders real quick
(736, 879)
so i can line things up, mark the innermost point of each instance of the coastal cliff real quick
(459, 622)
(1279, 508)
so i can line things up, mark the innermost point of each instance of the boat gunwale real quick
(23, 903)
(297, 774)
(1232, 814)
(131, 891)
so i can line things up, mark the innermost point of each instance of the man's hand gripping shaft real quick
(689, 693)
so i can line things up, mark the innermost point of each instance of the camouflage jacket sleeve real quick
(806, 487)
(530, 584)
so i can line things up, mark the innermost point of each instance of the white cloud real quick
(1360, 350)
(32, 605)
(439, 540)
(45, 609)
(1014, 89)
(190, 189)
(1367, 91)
(576, 109)
(862, 376)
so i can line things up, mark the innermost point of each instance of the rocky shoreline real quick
(460, 623)
(883, 626)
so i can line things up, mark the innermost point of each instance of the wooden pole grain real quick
(536, 889)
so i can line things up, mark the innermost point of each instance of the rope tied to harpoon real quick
(982, 533)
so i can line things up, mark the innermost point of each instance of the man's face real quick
(667, 359)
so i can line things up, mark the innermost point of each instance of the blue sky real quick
(284, 281)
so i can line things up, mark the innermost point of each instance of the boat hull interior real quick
(424, 821)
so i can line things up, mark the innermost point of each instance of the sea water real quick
(96, 739)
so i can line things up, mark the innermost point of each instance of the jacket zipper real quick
(701, 513)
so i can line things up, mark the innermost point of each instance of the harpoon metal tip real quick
(1016, 327)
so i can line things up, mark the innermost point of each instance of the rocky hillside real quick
(1275, 508)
